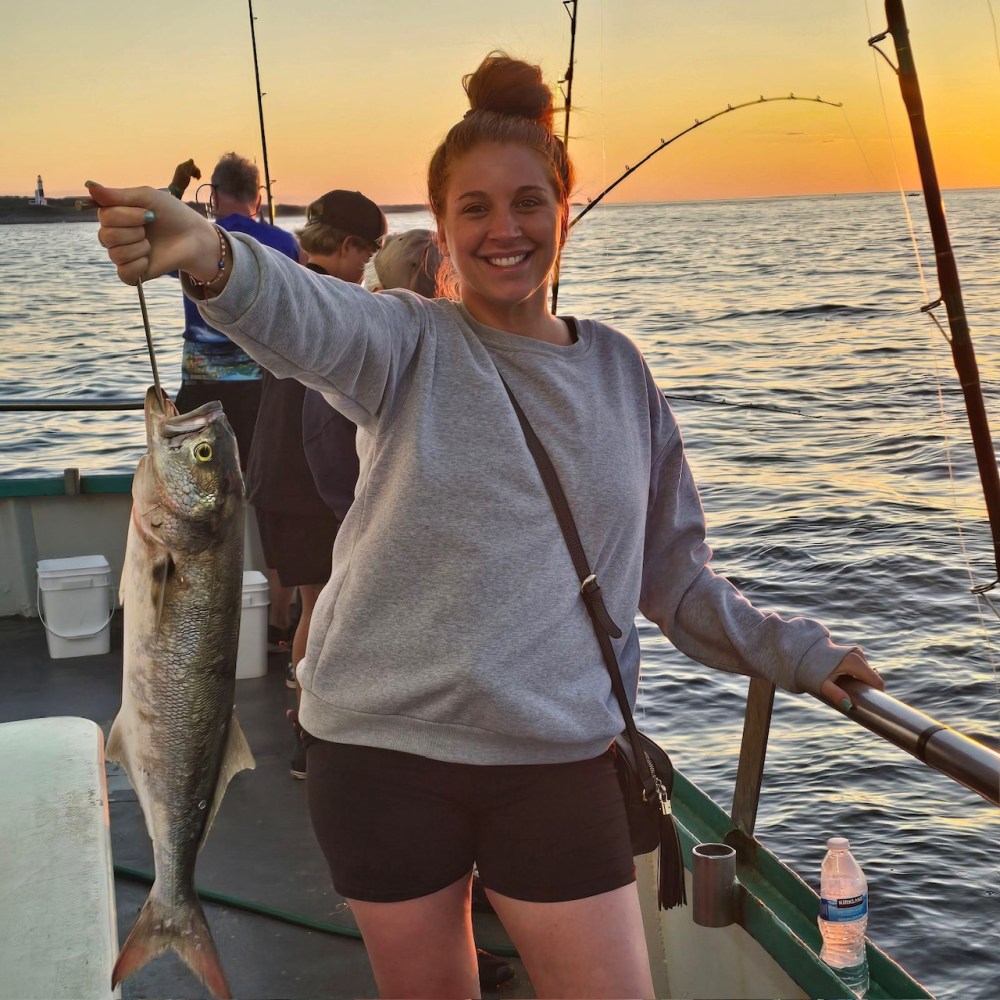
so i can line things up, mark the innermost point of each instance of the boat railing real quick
(68, 405)
(959, 757)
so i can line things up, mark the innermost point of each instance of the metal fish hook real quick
(149, 342)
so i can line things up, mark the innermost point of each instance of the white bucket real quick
(75, 604)
(251, 654)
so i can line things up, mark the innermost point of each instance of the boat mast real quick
(570, 6)
(962, 351)
(260, 114)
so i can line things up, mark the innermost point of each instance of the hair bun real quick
(510, 87)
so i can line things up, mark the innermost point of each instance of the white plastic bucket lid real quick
(73, 566)
(255, 589)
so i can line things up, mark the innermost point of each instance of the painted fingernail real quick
(845, 704)
(150, 215)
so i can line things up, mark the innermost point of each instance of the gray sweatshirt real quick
(452, 625)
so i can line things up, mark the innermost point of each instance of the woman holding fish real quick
(462, 709)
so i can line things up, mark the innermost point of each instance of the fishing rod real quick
(260, 114)
(149, 343)
(698, 122)
(963, 354)
(570, 7)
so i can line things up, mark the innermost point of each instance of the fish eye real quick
(203, 451)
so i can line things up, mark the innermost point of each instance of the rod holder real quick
(714, 881)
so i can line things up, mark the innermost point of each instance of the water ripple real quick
(844, 504)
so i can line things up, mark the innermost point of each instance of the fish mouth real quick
(164, 422)
(182, 424)
(158, 403)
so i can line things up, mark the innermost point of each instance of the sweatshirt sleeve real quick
(348, 343)
(699, 611)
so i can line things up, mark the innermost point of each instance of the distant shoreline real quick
(16, 211)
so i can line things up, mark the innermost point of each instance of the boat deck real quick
(260, 853)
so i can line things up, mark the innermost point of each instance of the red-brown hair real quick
(508, 102)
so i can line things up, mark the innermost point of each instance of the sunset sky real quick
(359, 93)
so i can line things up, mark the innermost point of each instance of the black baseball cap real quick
(350, 212)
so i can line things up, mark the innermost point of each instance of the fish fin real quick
(141, 535)
(237, 757)
(114, 748)
(131, 541)
(182, 928)
(160, 573)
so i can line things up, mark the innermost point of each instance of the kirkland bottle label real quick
(848, 908)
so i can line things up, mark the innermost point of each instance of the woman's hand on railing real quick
(853, 665)
(148, 233)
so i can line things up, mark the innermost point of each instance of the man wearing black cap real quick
(343, 229)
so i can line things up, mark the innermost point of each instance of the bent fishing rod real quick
(663, 143)
(962, 352)
(698, 122)
(260, 115)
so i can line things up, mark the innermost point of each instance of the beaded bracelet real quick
(222, 264)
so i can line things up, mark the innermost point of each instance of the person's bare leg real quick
(585, 948)
(422, 948)
(280, 612)
(307, 596)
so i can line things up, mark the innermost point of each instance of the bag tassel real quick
(671, 890)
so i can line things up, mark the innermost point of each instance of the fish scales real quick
(176, 733)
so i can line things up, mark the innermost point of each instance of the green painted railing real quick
(56, 486)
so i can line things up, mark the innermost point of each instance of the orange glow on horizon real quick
(360, 101)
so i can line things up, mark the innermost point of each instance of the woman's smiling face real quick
(502, 226)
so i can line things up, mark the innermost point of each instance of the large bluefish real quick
(176, 733)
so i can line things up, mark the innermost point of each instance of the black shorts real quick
(396, 826)
(298, 546)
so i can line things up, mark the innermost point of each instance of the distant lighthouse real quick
(39, 198)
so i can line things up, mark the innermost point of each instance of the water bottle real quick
(843, 915)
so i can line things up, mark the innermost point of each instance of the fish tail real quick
(180, 927)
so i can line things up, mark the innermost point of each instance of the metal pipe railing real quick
(961, 758)
(67, 405)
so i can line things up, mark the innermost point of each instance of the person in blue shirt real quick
(212, 366)
(297, 529)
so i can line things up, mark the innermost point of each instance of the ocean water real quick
(824, 423)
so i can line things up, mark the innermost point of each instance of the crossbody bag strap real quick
(604, 625)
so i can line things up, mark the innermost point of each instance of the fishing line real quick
(861, 148)
(927, 309)
(996, 44)
(149, 342)
(895, 160)
(979, 592)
